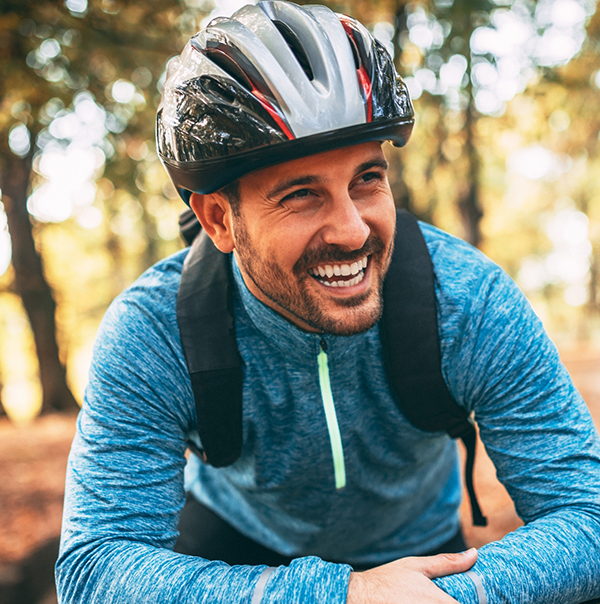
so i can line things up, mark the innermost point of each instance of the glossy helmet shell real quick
(273, 83)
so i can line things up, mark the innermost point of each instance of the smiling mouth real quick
(340, 275)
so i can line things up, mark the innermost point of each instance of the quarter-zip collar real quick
(283, 335)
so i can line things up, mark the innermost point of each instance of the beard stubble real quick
(289, 291)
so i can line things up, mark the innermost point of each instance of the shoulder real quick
(145, 311)
(159, 283)
(468, 284)
(138, 353)
(489, 334)
(456, 263)
(153, 294)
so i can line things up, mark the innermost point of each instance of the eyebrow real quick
(288, 183)
(375, 163)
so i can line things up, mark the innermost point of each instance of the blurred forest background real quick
(505, 154)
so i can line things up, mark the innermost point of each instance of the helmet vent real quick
(217, 89)
(295, 46)
(228, 65)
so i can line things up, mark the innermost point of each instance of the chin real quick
(350, 320)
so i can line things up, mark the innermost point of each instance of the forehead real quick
(333, 165)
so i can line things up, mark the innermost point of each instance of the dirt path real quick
(33, 461)
(32, 469)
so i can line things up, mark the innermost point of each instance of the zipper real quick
(337, 450)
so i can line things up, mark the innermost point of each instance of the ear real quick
(214, 213)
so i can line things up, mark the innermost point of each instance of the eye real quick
(299, 194)
(371, 176)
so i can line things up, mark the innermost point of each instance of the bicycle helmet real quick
(273, 83)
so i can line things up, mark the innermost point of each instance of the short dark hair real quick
(231, 192)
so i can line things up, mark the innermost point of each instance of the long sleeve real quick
(500, 364)
(124, 487)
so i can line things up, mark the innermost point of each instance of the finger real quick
(444, 564)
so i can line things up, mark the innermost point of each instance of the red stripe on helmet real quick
(361, 73)
(273, 113)
(367, 87)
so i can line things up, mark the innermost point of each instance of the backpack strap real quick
(207, 329)
(409, 332)
(189, 226)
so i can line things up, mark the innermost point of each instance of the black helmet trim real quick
(210, 175)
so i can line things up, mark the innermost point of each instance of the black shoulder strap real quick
(189, 226)
(408, 329)
(409, 332)
(207, 329)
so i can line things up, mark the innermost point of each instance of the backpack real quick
(408, 331)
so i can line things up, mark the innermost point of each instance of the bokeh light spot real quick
(123, 91)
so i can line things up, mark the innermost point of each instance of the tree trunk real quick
(469, 200)
(2, 409)
(31, 285)
(400, 191)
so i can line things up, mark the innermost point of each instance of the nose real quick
(345, 226)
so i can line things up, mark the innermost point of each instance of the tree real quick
(29, 280)
(57, 58)
(466, 59)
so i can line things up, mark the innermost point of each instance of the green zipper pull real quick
(337, 449)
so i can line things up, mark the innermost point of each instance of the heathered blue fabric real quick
(125, 477)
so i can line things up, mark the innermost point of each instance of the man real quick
(270, 128)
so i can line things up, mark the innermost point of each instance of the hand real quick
(408, 580)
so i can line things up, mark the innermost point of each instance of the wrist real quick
(355, 589)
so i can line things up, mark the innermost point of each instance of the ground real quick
(33, 464)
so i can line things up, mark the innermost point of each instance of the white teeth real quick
(355, 281)
(344, 270)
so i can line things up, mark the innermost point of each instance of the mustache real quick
(333, 254)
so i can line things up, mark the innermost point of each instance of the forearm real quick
(554, 560)
(127, 573)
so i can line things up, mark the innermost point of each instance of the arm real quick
(538, 432)
(125, 478)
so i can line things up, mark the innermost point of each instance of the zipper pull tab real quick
(323, 344)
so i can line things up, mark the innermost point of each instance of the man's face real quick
(314, 238)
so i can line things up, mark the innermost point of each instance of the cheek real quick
(383, 218)
(291, 243)
(283, 251)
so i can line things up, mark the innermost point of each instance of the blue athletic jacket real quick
(330, 469)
